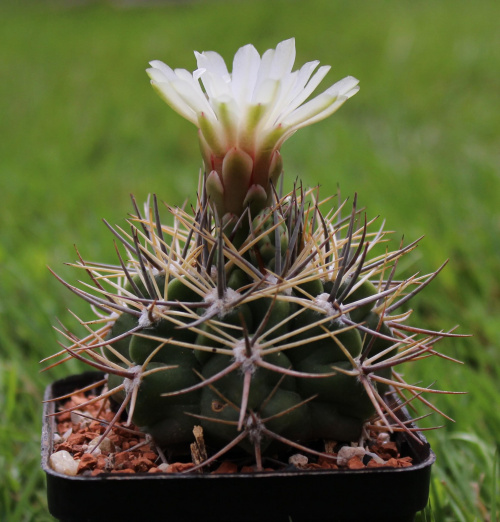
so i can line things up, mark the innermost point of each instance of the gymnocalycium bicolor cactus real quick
(269, 318)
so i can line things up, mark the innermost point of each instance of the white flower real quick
(245, 116)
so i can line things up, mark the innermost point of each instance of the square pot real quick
(388, 494)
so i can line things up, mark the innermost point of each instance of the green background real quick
(81, 129)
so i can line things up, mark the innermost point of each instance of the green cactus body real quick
(123, 324)
(285, 334)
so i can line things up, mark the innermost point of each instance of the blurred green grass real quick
(81, 129)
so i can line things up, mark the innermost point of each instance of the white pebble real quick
(77, 417)
(63, 462)
(163, 467)
(382, 437)
(97, 445)
(298, 460)
(346, 453)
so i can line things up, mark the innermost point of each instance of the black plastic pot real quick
(300, 496)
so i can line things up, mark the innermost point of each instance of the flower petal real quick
(193, 97)
(323, 105)
(305, 91)
(172, 98)
(213, 133)
(227, 114)
(263, 74)
(283, 59)
(245, 68)
(348, 87)
(301, 78)
(247, 133)
(214, 85)
(213, 62)
(282, 98)
(162, 68)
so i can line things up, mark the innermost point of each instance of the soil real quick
(124, 449)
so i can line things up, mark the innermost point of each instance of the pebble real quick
(105, 445)
(77, 417)
(298, 460)
(63, 462)
(87, 462)
(179, 467)
(226, 467)
(347, 452)
(383, 437)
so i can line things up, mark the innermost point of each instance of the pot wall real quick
(370, 494)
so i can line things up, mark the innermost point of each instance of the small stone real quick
(386, 450)
(87, 462)
(328, 463)
(404, 462)
(64, 416)
(163, 467)
(150, 455)
(76, 439)
(313, 466)
(96, 427)
(226, 467)
(102, 462)
(141, 465)
(63, 462)
(115, 439)
(346, 453)
(77, 417)
(374, 464)
(298, 460)
(355, 463)
(178, 467)
(64, 447)
(391, 447)
(382, 437)
(121, 458)
(99, 445)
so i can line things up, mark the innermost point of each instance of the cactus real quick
(270, 319)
